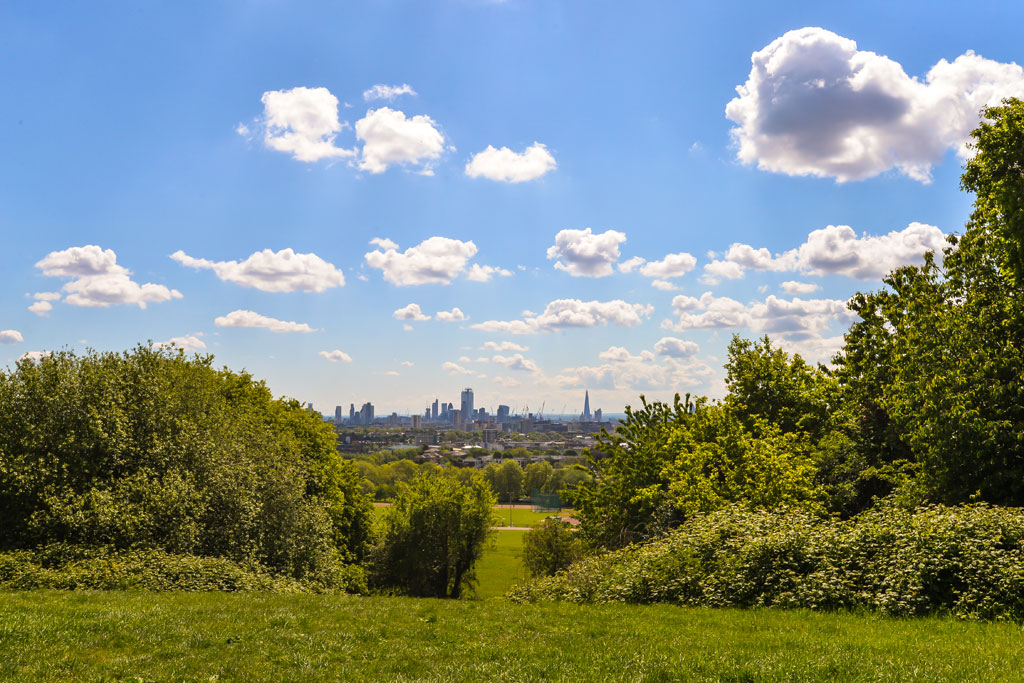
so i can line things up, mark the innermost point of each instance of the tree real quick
(433, 534)
(536, 475)
(550, 547)
(667, 462)
(505, 479)
(934, 367)
(152, 450)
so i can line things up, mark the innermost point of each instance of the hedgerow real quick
(966, 561)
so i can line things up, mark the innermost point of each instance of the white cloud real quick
(582, 253)
(717, 270)
(10, 337)
(837, 249)
(794, 287)
(455, 369)
(243, 318)
(506, 166)
(675, 348)
(567, 313)
(47, 296)
(268, 271)
(188, 342)
(41, 307)
(303, 122)
(620, 354)
(434, 260)
(504, 346)
(391, 138)
(35, 356)
(336, 356)
(673, 265)
(816, 105)
(407, 327)
(384, 243)
(392, 373)
(387, 92)
(516, 362)
(478, 273)
(507, 382)
(410, 312)
(795, 320)
(407, 363)
(629, 265)
(98, 281)
(454, 315)
(664, 285)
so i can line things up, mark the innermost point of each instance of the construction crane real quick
(562, 414)
(540, 415)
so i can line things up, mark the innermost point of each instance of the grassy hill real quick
(51, 636)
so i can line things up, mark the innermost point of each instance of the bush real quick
(550, 547)
(154, 570)
(967, 561)
(432, 535)
(150, 450)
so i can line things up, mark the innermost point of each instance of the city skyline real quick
(537, 200)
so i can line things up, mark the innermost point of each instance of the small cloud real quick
(336, 356)
(411, 312)
(387, 92)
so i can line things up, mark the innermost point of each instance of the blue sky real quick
(247, 139)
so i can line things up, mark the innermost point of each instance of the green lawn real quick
(520, 517)
(501, 565)
(50, 636)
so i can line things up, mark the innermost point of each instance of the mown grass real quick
(501, 565)
(520, 517)
(51, 636)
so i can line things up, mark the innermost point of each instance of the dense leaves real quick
(433, 534)
(550, 547)
(151, 450)
(967, 561)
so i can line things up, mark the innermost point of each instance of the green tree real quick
(433, 534)
(667, 462)
(536, 475)
(150, 449)
(550, 547)
(505, 479)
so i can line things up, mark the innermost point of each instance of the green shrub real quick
(967, 561)
(153, 570)
(150, 450)
(550, 547)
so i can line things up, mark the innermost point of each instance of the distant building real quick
(366, 414)
(467, 404)
(338, 415)
(586, 406)
(503, 413)
(433, 410)
(456, 416)
(598, 415)
(351, 412)
(417, 421)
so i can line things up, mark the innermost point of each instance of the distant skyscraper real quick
(467, 404)
(351, 412)
(366, 414)
(337, 415)
(586, 406)
(503, 411)
(456, 417)
(433, 410)
(416, 421)
(598, 415)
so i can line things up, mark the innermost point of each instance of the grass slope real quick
(501, 566)
(49, 636)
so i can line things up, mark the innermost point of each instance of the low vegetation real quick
(131, 636)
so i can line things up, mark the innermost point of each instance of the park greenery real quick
(890, 480)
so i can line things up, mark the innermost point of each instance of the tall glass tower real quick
(586, 405)
(467, 404)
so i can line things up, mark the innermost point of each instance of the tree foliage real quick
(550, 547)
(432, 535)
(150, 449)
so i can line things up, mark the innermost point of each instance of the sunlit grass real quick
(50, 636)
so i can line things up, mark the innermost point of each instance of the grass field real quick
(49, 636)
(502, 565)
(520, 516)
